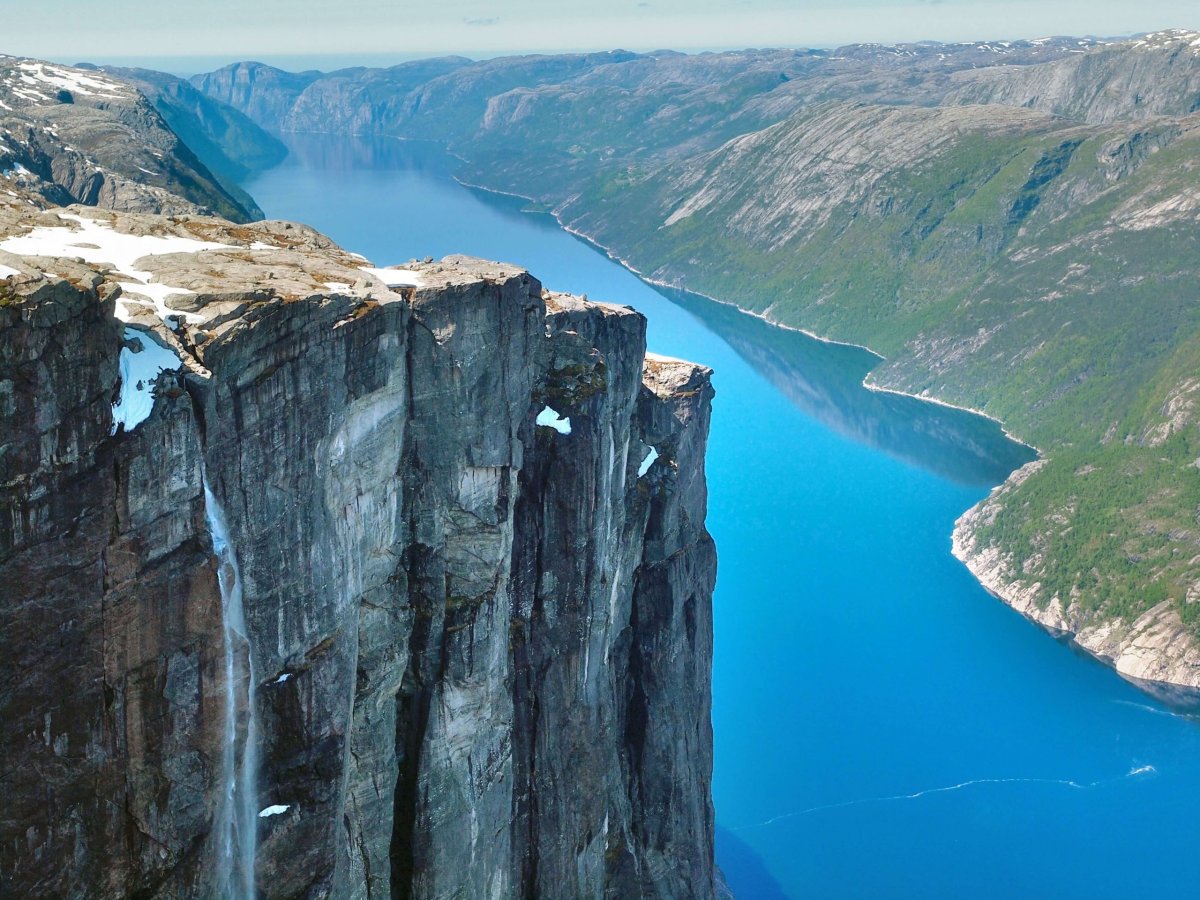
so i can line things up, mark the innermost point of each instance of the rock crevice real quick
(482, 645)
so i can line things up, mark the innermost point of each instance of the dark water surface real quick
(883, 727)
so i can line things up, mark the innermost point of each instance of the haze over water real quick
(882, 726)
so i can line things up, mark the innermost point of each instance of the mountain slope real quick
(1041, 271)
(76, 135)
(1013, 224)
(229, 143)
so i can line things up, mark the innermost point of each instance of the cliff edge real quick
(327, 580)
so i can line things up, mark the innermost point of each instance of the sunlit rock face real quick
(480, 646)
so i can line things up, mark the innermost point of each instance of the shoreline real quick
(1154, 653)
(1079, 641)
(866, 382)
(878, 388)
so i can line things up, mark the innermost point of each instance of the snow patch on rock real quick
(395, 277)
(96, 242)
(648, 462)
(551, 419)
(141, 362)
(72, 80)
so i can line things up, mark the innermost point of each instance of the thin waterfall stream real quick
(236, 821)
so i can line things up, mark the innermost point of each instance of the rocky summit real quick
(321, 579)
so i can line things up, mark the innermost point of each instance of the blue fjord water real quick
(883, 727)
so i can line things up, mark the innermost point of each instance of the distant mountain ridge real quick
(1013, 224)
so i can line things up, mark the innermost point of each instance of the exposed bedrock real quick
(482, 645)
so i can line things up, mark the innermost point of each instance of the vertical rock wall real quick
(612, 632)
(110, 630)
(483, 646)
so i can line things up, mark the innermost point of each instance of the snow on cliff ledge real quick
(39, 82)
(96, 242)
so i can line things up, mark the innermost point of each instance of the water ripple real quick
(1134, 772)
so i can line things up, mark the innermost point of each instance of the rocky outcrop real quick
(1156, 646)
(831, 158)
(480, 644)
(75, 135)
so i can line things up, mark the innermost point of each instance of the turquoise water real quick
(883, 727)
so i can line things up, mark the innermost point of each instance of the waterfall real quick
(236, 819)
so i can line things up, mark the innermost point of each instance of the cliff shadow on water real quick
(825, 381)
(321, 152)
(754, 880)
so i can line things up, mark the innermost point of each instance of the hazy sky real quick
(383, 29)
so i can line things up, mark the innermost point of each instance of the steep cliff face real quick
(478, 646)
(611, 612)
(110, 613)
(1013, 224)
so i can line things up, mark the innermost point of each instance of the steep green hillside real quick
(1014, 226)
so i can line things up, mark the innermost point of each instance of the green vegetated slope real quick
(1014, 226)
(1043, 271)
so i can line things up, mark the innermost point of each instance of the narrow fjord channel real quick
(882, 726)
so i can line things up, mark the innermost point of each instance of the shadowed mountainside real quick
(73, 135)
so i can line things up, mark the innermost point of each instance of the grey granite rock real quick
(482, 646)
(76, 135)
